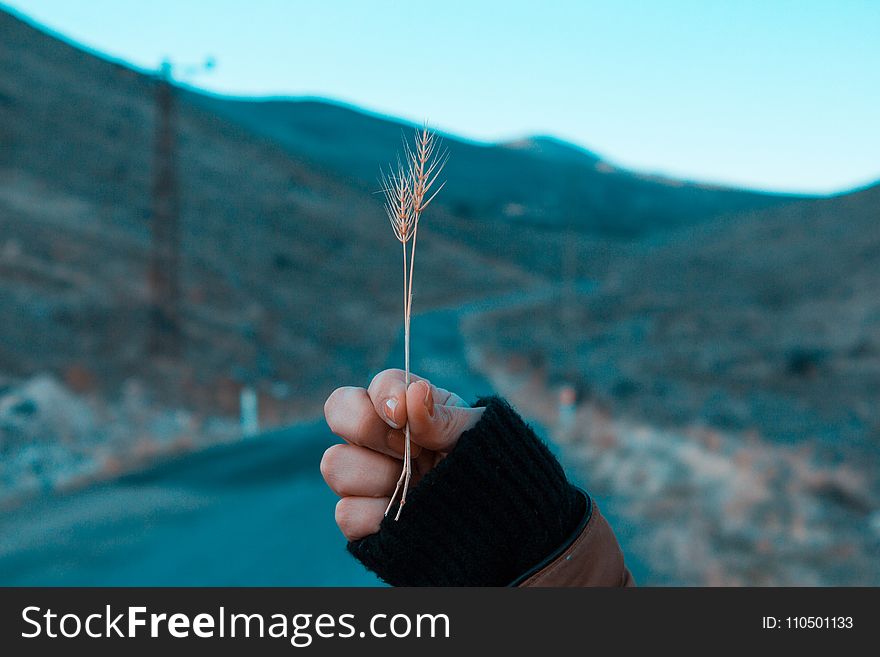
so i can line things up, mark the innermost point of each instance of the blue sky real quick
(781, 95)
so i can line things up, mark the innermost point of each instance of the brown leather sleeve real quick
(593, 559)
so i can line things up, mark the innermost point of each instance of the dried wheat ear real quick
(409, 189)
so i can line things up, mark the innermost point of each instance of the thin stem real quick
(407, 472)
(403, 478)
(407, 449)
(407, 295)
(408, 310)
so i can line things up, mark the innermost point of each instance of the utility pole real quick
(166, 334)
(164, 278)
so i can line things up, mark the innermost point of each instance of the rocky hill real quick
(767, 322)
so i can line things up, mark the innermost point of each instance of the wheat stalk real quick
(409, 190)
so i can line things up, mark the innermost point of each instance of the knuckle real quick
(339, 408)
(376, 381)
(344, 516)
(330, 463)
(362, 426)
(447, 427)
(331, 405)
(386, 379)
(454, 422)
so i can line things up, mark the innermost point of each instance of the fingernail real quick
(390, 406)
(429, 400)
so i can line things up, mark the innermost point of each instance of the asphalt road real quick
(251, 513)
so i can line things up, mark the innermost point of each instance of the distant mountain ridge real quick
(551, 147)
(552, 181)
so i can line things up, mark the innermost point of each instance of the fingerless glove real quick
(494, 508)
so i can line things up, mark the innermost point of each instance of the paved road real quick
(252, 513)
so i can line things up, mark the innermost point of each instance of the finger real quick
(351, 416)
(360, 516)
(352, 470)
(437, 426)
(446, 398)
(387, 391)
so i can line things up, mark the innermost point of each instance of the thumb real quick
(433, 425)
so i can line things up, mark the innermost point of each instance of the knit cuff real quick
(497, 505)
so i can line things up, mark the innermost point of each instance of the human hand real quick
(364, 470)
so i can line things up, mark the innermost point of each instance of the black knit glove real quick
(489, 512)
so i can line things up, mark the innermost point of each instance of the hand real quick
(363, 471)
